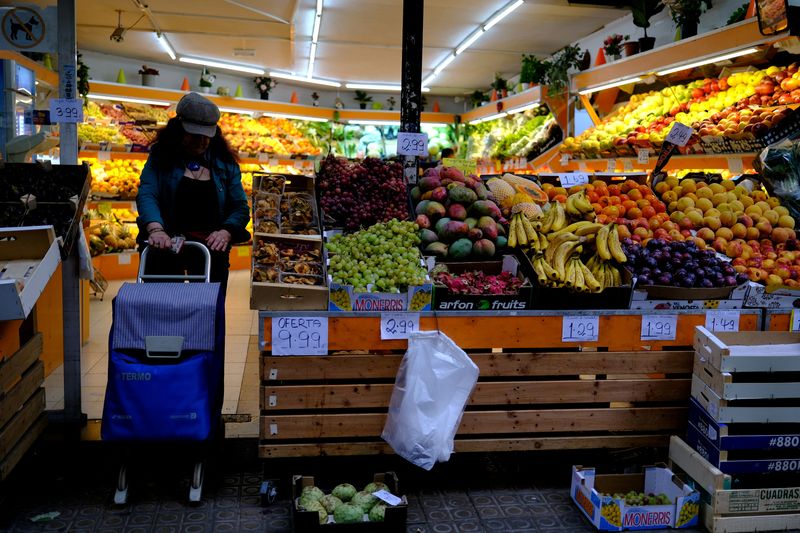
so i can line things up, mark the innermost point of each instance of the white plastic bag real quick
(432, 387)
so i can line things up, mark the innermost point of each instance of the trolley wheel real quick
(196, 489)
(121, 494)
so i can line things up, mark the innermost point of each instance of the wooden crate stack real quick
(744, 429)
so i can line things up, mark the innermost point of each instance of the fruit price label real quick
(643, 156)
(580, 329)
(722, 320)
(611, 165)
(679, 134)
(66, 110)
(794, 323)
(398, 325)
(388, 497)
(564, 159)
(300, 335)
(659, 327)
(570, 179)
(412, 143)
(627, 165)
(735, 165)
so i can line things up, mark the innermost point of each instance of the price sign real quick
(679, 134)
(398, 325)
(580, 329)
(582, 166)
(627, 165)
(66, 110)
(643, 156)
(412, 143)
(262, 158)
(659, 327)
(467, 166)
(794, 323)
(570, 179)
(564, 159)
(387, 496)
(299, 335)
(103, 155)
(611, 165)
(722, 320)
(735, 165)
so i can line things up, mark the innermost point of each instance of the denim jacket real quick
(156, 197)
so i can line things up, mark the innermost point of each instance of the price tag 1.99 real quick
(580, 329)
(659, 327)
(722, 320)
(412, 143)
(300, 335)
(570, 179)
(794, 323)
(66, 110)
(680, 134)
(398, 325)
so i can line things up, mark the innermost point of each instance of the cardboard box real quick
(28, 258)
(784, 298)
(395, 517)
(690, 305)
(592, 492)
(444, 300)
(277, 296)
(610, 298)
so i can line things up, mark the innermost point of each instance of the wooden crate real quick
(22, 403)
(729, 510)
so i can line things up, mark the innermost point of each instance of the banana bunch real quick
(521, 233)
(584, 228)
(607, 274)
(608, 244)
(579, 207)
(555, 219)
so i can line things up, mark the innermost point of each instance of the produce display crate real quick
(534, 391)
(22, 403)
(444, 299)
(736, 510)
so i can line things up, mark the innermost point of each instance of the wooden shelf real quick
(677, 162)
(529, 96)
(303, 164)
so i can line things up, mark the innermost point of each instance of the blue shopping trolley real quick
(166, 362)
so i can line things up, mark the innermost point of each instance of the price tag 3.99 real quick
(412, 143)
(680, 134)
(298, 335)
(659, 327)
(398, 325)
(66, 110)
(580, 329)
(722, 320)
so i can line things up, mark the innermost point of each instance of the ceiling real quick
(359, 41)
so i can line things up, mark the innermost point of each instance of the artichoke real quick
(344, 492)
(348, 514)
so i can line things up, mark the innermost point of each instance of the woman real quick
(191, 185)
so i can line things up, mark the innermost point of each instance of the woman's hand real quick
(219, 240)
(159, 239)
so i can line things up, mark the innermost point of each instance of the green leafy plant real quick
(499, 84)
(206, 78)
(477, 98)
(83, 79)
(738, 15)
(643, 11)
(558, 69)
(150, 71)
(362, 97)
(534, 70)
(687, 11)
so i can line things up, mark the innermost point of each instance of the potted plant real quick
(264, 84)
(423, 101)
(613, 46)
(206, 80)
(643, 11)
(500, 86)
(585, 61)
(686, 14)
(533, 70)
(363, 99)
(391, 101)
(148, 76)
(315, 99)
(477, 98)
(83, 80)
(557, 77)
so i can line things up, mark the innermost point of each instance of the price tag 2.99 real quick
(412, 143)
(680, 134)
(298, 335)
(398, 325)
(722, 320)
(580, 329)
(571, 179)
(66, 110)
(659, 327)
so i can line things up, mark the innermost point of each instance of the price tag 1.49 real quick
(659, 327)
(722, 320)
(571, 179)
(412, 143)
(580, 329)
(398, 325)
(680, 134)
(66, 110)
(298, 335)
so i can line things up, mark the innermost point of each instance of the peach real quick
(779, 235)
(731, 197)
(782, 272)
(719, 198)
(745, 220)
(623, 232)
(785, 221)
(739, 230)
(704, 192)
(772, 216)
(753, 210)
(701, 244)
(661, 187)
(717, 188)
(781, 210)
(746, 201)
(706, 234)
(719, 244)
(772, 279)
(704, 204)
(737, 207)
(728, 185)
(642, 232)
(764, 227)
(712, 223)
(774, 201)
(757, 274)
(727, 218)
(764, 206)
(734, 249)
(685, 203)
(672, 206)
(675, 235)
(752, 233)
(669, 196)
(724, 233)
(685, 223)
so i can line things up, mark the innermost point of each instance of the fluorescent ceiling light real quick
(304, 79)
(319, 7)
(708, 61)
(296, 117)
(435, 124)
(311, 59)
(469, 40)
(427, 81)
(219, 64)
(374, 122)
(488, 118)
(379, 87)
(443, 65)
(162, 40)
(503, 14)
(127, 99)
(317, 22)
(610, 85)
(526, 107)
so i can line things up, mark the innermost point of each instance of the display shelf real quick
(42, 73)
(508, 104)
(676, 162)
(265, 159)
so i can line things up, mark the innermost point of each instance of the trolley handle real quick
(176, 277)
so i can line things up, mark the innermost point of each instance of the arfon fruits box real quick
(593, 494)
(445, 300)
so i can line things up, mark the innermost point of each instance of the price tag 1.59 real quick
(659, 327)
(580, 329)
(412, 143)
(66, 110)
(722, 320)
(794, 323)
(570, 179)
(300, 335)
(680, 134)
(398, 325)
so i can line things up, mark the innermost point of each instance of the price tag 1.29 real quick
(398, 325)
(580, 329)
(659, 327)
(412, 143)
(66, 110)
(570, 179)
(722, 320)
(300, 335)
(679, 134)
(794, 323)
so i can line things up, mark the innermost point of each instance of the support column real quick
(411, 91)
